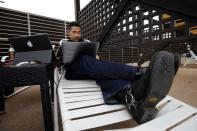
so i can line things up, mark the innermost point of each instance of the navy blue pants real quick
(110, 76)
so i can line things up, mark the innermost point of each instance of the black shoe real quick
(152, 87)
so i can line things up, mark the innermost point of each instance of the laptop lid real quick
(32, 48)
(72, 50)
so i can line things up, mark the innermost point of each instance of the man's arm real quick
(97, 56)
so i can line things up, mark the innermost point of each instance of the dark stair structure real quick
(130, 31)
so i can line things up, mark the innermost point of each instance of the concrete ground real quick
(184, 86)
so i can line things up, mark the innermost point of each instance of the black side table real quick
(28, 75)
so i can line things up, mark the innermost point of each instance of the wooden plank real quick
(169, 106)
(82, 90)
(187, 125)
(72, 85)
(96, 121)
(67, 95)
(76, 82)
(82, 104)
(92, 110)
(82, 98)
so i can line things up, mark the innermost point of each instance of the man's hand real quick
(97, 57)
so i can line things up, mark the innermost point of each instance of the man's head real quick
(74, 31)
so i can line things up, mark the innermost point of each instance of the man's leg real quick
(103, 70)
(110, 88)
(143, 95)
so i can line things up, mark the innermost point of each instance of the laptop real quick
(35, 48)
(72, 50)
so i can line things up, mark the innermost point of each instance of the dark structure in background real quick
(15, 23)
(129, 30)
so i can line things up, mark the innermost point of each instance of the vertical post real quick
(28, 24)
(65, 28)
(109, 55)
(122, 55)
(77, 9)
(2, 102)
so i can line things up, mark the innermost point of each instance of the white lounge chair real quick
(4, 58)
(192, 57)
(80, 106)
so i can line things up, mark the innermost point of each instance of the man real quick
(140, 89)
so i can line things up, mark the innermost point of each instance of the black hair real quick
(73, 23)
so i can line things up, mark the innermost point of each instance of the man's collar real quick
(74, 41)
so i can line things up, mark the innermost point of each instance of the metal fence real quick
(15, 23)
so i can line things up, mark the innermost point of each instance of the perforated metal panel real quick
(138, 31)
(95, 16)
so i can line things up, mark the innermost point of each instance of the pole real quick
(77, 9)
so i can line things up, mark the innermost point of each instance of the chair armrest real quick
(3, 59)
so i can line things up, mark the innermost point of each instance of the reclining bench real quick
(79, 105)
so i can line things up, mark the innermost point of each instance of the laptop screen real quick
(72, 50)
(32, 48)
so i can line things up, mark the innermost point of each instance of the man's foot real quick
(142, 98)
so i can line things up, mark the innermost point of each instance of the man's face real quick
(75, 33)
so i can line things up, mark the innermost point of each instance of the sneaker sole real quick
(162, 74)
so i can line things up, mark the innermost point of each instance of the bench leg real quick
(2, 103)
